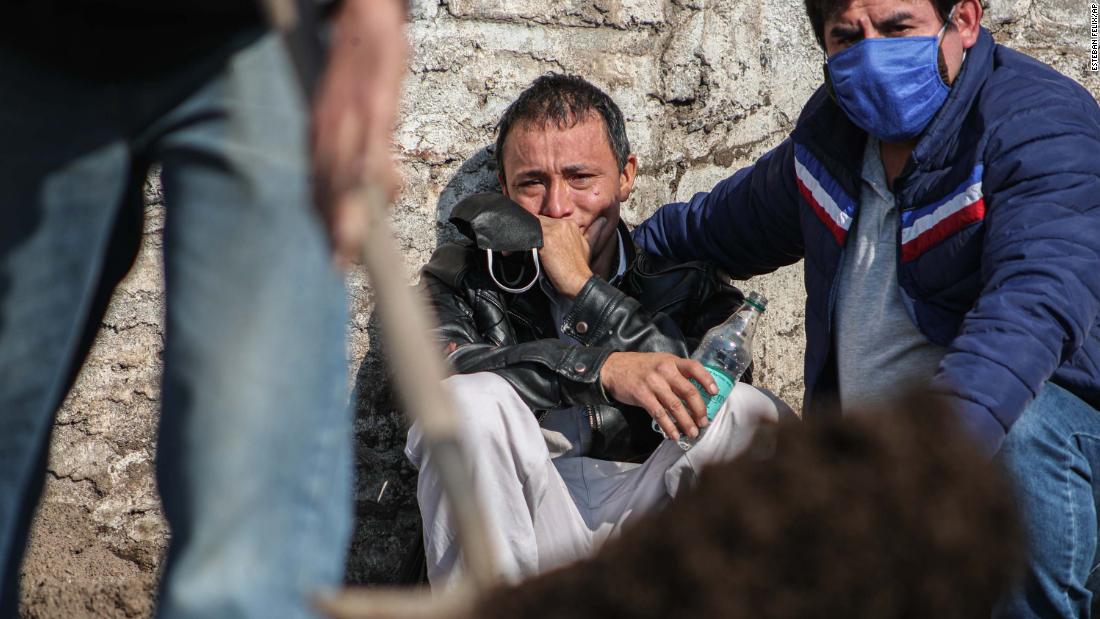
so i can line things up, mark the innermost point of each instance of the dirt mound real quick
(66, 576)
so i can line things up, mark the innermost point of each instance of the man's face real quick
(568, 173)
(865, 19)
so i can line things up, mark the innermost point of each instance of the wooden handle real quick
(406, 324)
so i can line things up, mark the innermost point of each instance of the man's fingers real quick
(656, 410)
(675, 408)
(339, 195)
(348, 231)
(695, 370)
(561, 227)
(678, 375)
(592, 233)
(347, 149)
(689, 394)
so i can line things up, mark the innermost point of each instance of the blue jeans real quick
(254, 451)
(1052, 455)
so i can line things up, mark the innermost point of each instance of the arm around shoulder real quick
(748, 223)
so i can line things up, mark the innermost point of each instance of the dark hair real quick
(564, 100)
(821, 10)
(867, 516)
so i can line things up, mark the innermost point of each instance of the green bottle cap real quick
(756, 301)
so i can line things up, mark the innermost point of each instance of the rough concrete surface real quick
(706, 86)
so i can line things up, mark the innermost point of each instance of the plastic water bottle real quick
(726, 352)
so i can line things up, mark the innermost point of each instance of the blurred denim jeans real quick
(254, 452)
(1052, 455)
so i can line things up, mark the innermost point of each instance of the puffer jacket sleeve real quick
(1040, 266)
(748, 224)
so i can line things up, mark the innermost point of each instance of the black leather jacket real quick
(657, 306)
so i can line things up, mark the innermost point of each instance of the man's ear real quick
(968, 21)
(503, 184)
(626, 178)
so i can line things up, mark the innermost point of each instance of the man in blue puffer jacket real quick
(944, 193)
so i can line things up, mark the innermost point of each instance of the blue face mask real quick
(890, 87)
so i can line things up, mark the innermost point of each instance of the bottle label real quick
(725, 386)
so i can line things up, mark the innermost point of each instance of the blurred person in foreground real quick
(561, 375)
(944, 194)
(253, 456)
(875, 516)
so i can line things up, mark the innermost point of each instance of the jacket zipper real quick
(593, 418)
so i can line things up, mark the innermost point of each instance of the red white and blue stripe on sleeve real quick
(924, 227)
(823, 193)
(921, 228)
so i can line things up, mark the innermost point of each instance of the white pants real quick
(543, 512)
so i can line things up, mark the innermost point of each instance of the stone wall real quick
(706, 86)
